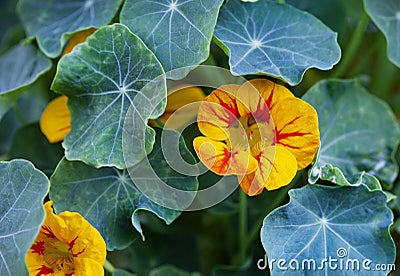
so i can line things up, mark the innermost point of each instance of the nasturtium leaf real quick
(22, 190)
(174, 29)
(321, 223)
(109, 199)
(359, 133)
(19, 67)
(102, 78)
(53, 21)
(386, 15)
(275, 39)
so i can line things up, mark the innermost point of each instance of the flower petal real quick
(259, 96)
(218, 111)
(55, 120)
(77, 38)
(296, 125)
(182, 105)
(217, 157)
(277, 167)
(84, 266)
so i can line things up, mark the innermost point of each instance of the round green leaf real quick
(320, 223)
(275, 39)
(22, 190)
(53, 21)
(359, 134)
(386, 15)
(19, 67)
(170, 270)
(109, 199)
(173, 30)
(102, 78)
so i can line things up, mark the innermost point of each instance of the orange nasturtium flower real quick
(259, 131)
(67, 244)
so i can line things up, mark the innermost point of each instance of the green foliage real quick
(174, 32)
(386, 15)
(23, 188)
(19, 67)
(130, 179)
(322, 222)
(276, 39)
(52, 22)
(103, 78)
(354, 138)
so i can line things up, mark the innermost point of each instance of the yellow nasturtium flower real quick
(67, 244)
(259, 131)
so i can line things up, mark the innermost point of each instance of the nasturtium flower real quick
(67, 244)
(259, 131)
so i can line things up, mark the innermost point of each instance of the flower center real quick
(58, 257)
(248, 134)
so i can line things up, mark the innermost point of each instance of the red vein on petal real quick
(44, 270)
(46, 230)
(71, 244)
(38, 247)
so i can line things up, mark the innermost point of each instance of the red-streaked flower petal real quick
(296, 125)
(217, 157)
(259, 96)
(277, 167)
(218, 111)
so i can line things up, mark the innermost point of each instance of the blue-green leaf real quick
(53, 21)
(102, 78)
(320, 223)
(109, 199)
(275, 39)
(19, 67)
(359, 134)
(386, 15)
(22, 190)
(179, 32)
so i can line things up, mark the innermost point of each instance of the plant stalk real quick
(108, 266)
(242, 227)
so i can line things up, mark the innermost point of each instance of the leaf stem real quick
(281, 1)
(394, 226)
(351, 49)
(108, 266)
(242, 227)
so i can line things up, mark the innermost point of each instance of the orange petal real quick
(217, 157)
(84, 267)
(55, 120)
(277, 167)
(258, 96)
(296, 125)
(77, 38)
(182, 107)
(218, 111)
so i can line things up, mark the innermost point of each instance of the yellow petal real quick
(55, 120)
(77, 38)
(84, 267)
(277, 167)
(181, 107)
(218, 111)
(217, 157)
(296, 125)
(251, 93)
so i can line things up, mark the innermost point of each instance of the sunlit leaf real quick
(19, 67)
(275, 39)
(53, 21)
(322, 223)
(169, 270)
(102, 78)
(109, 199)
(359, 133)
(22, 190)
(386, 15)
(179, 32)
